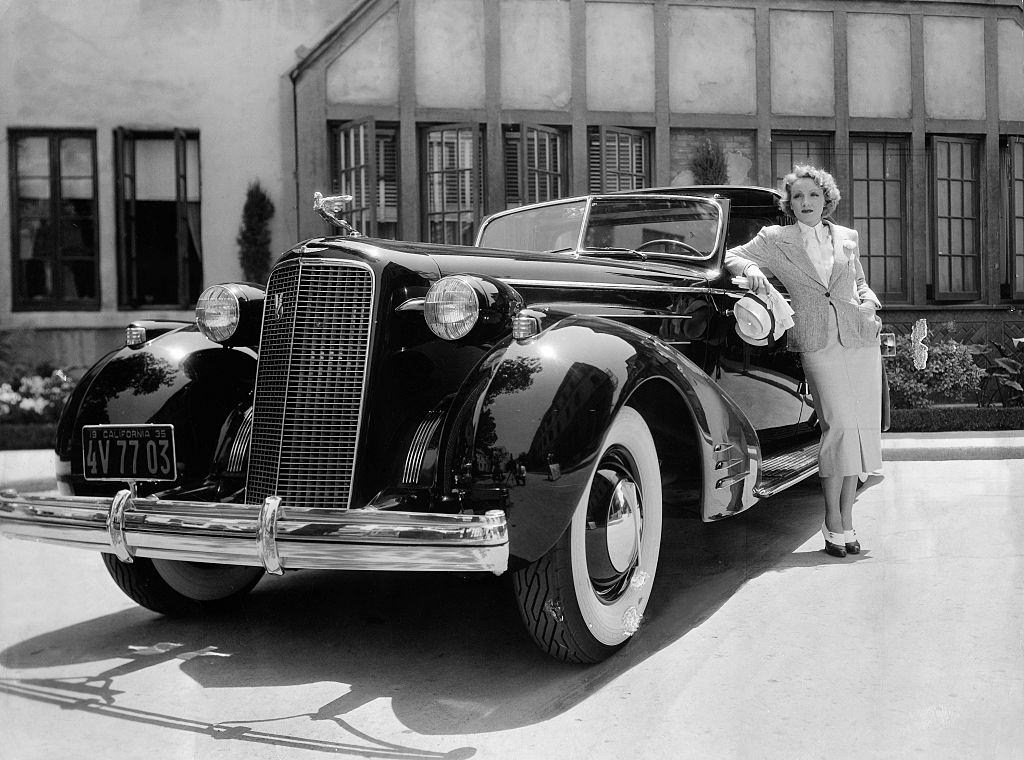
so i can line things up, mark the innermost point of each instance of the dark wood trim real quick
(841, 105)
(920, 230)
(956, 126)
(803, 123)
(408, 161)
(763, 89)
(882, 125)
(661, 160)
(991, 191)
(578, 53)
(746, 122)
(349, 112)
(494, 176)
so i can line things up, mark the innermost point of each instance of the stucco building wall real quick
(214, 66)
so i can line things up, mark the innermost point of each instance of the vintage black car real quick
(532, 405)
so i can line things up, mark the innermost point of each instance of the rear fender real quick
(530, 425)
(181, 378)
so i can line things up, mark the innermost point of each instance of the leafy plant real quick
(1004, 373)
(709, 164)
(35, 398)
(254, 234)
(950, 373)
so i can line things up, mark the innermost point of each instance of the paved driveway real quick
(756, 645)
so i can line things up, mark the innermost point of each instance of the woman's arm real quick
(744, 261)
(864, 293)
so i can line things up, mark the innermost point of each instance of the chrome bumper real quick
(273, 536)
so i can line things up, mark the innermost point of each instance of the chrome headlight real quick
(231, 313)
(460, 304)
(452, 307)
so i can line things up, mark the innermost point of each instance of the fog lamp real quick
(451, 307)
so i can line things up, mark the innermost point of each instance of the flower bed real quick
(30, 408)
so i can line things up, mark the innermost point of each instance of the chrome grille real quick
(310, 383)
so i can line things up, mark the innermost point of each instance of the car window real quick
(683, 227)
(553, 227)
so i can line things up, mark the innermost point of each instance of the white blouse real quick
(818, 244)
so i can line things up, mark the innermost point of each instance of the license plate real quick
(129, 452)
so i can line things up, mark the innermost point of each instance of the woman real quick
(836, 333)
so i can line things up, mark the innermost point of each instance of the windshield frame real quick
(578, 249)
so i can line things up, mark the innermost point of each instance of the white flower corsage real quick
(850, 249)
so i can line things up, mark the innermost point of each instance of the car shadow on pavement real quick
(448, 651)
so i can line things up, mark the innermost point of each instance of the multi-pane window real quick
(535, 169)
(453, 183)
(956, 243)
(879, 205)
(158, 217)
(53, 219)
(799, 148)
(1014, 210)
(619, 159)
(364, 158)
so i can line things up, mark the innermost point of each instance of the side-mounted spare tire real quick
(586, 596)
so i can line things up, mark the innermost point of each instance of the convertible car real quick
(532, 405)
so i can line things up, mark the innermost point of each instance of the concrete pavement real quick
(32, 470)
(756, 644)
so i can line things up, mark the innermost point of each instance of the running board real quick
(788, 468)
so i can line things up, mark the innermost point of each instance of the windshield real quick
(552, 227)
(680, 227)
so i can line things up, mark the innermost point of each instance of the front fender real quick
(542, 407)
(181, 378)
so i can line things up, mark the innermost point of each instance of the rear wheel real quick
(586, 596)
(181, 588)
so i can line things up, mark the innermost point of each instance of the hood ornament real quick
(330, 208)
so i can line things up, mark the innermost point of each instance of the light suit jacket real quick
(781, 249)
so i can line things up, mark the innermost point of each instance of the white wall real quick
(211, 65)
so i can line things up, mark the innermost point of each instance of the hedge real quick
(953, 418)
(28, 436)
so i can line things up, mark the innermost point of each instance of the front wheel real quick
(586, 596)
(181, 588)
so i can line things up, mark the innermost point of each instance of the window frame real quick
(602, 134)
(365, 217)
(127, 251)
(901, 145)
(936, 258)
(828, 144)
(1013, 210)
(475, 173)
(19, 301)
(527, 175)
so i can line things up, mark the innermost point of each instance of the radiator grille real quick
(310, 383)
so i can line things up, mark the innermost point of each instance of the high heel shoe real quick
(834, 543)
(852, 544)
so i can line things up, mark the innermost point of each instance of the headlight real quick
(217, 313)
(460, 304)
(451, 307)
(231, 313)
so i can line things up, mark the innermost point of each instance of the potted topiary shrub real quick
(254, 234)
(709, 164)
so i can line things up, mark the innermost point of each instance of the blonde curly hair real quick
(821, 178)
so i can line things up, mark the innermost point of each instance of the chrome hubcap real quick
(614, 526)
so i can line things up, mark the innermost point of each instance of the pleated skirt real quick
(846, 386)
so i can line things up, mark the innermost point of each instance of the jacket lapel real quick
(791, 244)
(839, 257)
